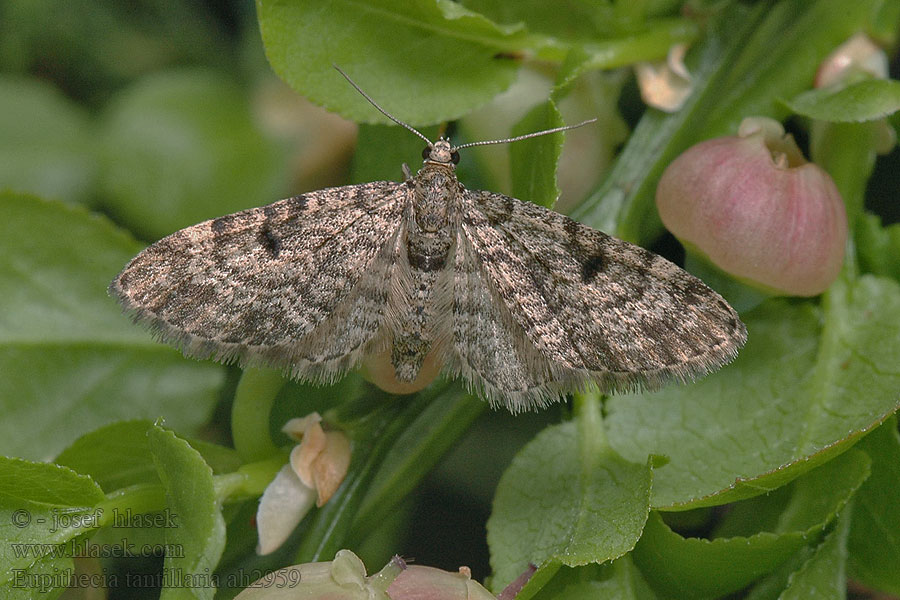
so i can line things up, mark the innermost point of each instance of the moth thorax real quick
(436, 192)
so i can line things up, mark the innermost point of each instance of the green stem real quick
(847, 152)
(331, 526)
(253, 401)
(630, 11)
(653, 44)
(139, 499)
(419, 447)
(591, 431)
(248, 481)
(382, 579)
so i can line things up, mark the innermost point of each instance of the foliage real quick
(775, 477)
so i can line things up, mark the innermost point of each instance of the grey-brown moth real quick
(523, 303)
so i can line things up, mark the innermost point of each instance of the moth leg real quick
(407, 174)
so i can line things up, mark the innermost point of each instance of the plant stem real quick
(248, 481)
(253, 401)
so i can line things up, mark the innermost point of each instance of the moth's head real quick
(441, 152)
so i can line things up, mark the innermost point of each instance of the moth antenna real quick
(524, 137)
(381, 110)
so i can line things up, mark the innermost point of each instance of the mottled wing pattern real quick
(597, 308)
(299, 284)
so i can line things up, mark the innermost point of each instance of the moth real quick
(523, 303)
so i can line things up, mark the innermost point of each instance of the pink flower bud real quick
(754, 207)
(427, 583)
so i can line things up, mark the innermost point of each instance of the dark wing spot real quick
(288, 209)
(502, 216)
(362, 200)
(222, 224)
(694, 292)
(591, 266)
(572, 230)
(497, 219)
(269, 241)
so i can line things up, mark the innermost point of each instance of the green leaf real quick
(581, 20)
(797, 395)
(71, 360)
(220, 459)
(748, 517)
(42, 506)
(771, 586)
(684, 567)
(118, 455)
(533, 161)
(862, 101)
(46, 146)
(874, 542)
(818, 497)
(567, 498)
(115, 456)
(199, 531)
(823, 576)
(618, 580)
(251, 412)
(878, 248)
(423, 61)
(182, 147)
(611, 34)
(701, 568)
